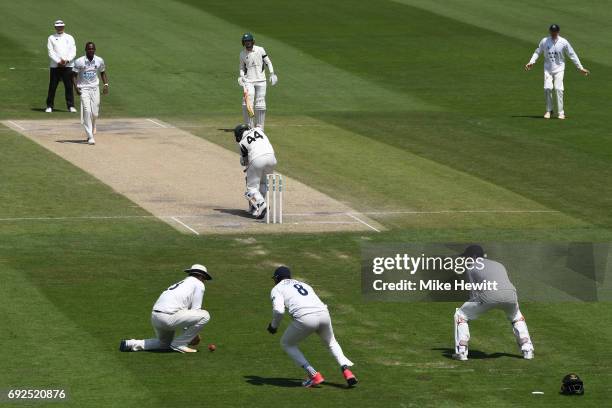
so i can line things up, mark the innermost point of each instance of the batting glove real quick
(272, 330)
(273, 79)
(241, 81)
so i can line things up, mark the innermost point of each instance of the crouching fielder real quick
(252, 79)
(554, 48)
(178, 307)
(310, 315)
(257, 154)
(503, 298)
(86, 84)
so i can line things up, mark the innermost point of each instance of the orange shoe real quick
(313, 380)
(350, 378)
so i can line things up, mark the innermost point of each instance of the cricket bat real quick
(246, 101)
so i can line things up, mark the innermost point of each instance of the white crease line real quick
(102, 217)
(311, 214)
(158, 124)
(16, 125)
(185, 225)
(460, 212)
(362, 221)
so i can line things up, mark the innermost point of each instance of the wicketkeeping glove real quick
(272, 330)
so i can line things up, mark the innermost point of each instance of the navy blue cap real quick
(554, 28)
(473, 251)
(282, 272)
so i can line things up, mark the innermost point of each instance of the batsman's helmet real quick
(239, 130)
(247, 37)
(572, 385)
(554, 28)
(282, 272)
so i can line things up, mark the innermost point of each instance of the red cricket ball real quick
(212, 347)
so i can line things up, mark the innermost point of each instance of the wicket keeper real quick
(481, 301)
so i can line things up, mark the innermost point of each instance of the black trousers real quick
(56, 75)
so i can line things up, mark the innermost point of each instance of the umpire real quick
(62, 50)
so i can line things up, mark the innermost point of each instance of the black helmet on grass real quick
(572, 385)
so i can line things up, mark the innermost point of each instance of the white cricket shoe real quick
(91, 141)
(261, 210)
(183, 349)
(561, 116)
(547, 115)
(73, 109)
(49, 109)
(528, 354)
(462, 354)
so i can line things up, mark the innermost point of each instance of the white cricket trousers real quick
(256, 176)
(190, 322)
(90, 108)
(303, 327)
(472, 310)
(553, 80)
(257, 99)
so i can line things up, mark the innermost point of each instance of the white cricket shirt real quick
(61, 46)
(186, 294)
(554, 54)
(253, 64)
(492, 272)
(255, 143)
(88, 71)
(298, 297)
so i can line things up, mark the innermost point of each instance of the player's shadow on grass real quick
(43, 109)
(528, 116)
(284, 382)
(476, 354)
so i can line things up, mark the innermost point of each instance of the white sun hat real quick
(200, 270)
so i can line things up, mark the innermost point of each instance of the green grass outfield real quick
(389, 106)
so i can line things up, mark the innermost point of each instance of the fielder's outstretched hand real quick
(528, 66)
(272, 330)
(585, 71)
(195, 341)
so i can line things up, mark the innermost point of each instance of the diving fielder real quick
(554, 48)
(257, 155)
(178, 307)
(503, 298)
(310, 315)
(86, 83)
(252, 79)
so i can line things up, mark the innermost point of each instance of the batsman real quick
(252, 79)
(257, 155)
